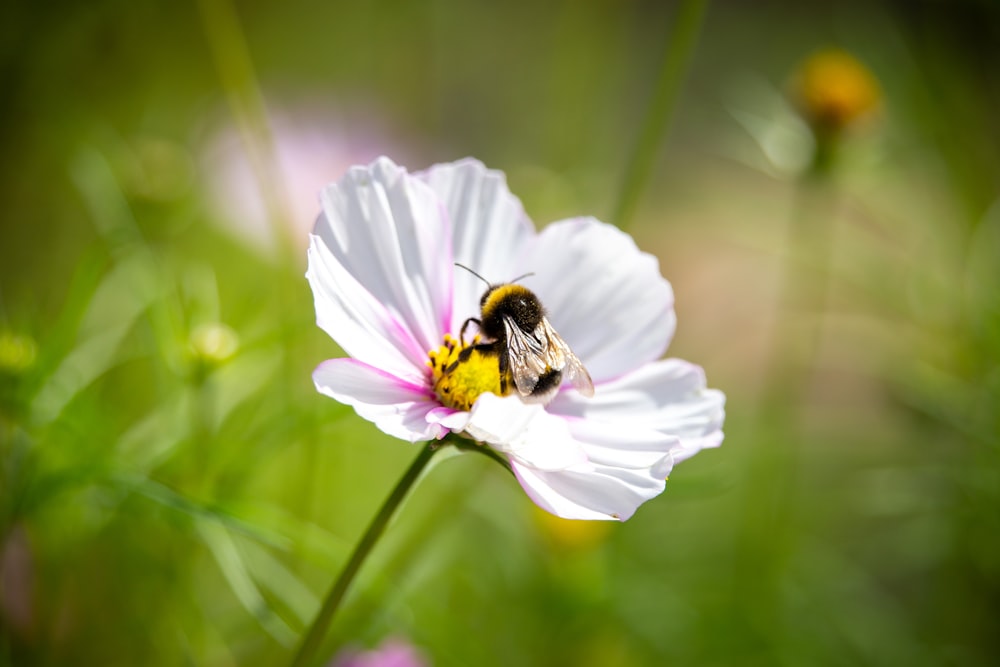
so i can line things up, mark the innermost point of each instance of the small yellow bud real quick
(214, 344)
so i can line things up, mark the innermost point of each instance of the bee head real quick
(513, 301)
(507, 300)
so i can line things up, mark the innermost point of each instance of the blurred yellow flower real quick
(833, 90)
(570, 534)
(17, 353)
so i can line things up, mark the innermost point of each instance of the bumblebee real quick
(532, 357)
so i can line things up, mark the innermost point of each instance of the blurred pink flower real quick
(309, 144)
(393, 652)
(17, 581)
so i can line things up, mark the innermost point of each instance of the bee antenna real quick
(529, 273)
(488, 284)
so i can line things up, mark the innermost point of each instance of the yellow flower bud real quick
(213, 344)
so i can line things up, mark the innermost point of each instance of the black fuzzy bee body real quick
(532, 358)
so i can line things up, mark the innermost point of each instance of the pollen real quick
(461, 372)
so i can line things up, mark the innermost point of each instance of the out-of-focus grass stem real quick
(228, 44)
(772, 487)
(676, 58)
(203, 457)
(236, 73)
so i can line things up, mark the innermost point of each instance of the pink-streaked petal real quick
(449, 418)
(596, 492)
(358, 321)
(667, 396)
(489, 228)
(525, 433)
(603, 295)
(388, 230)
(396, 406)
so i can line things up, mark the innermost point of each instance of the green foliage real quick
(174, 491)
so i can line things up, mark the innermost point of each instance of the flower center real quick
(462, 371)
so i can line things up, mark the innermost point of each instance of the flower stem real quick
(680, 45)
(466, 445)
(310, 643)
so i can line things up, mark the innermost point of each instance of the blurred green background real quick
(173, 491)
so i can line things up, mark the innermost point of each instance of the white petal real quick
(625, 445)
(604, 297)
(358, 321)
(489, 228)
(690, 446)
(573, 468)
(526, 433)
(395, 406)
(601, 492)
(389, 231)
(667, 396)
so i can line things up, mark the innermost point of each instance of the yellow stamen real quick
(462, 372)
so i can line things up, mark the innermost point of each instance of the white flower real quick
(382, 270)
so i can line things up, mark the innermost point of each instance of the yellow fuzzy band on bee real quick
(499, 293)
(462, 373)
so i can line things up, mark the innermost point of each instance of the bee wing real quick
(559, 356)
(578, 375)
(526, 354)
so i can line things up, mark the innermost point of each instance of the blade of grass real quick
(167, 497)
(230, 561)
(680, 45)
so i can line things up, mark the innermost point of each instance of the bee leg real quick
(464, 355)
(461, 334)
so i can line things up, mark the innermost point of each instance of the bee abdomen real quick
(546, 387)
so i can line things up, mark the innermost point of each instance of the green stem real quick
(311, 641)
(466, 445)
(802, 299)
(773, 483)
(680, 46)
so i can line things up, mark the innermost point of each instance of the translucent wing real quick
(559, 356)
(526, 355)
(533, 354)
